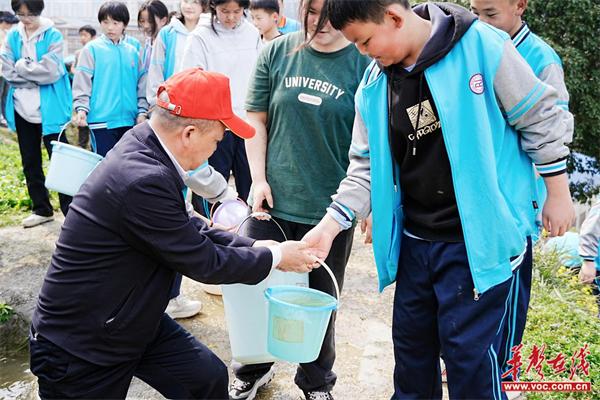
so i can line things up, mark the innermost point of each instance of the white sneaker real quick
(34, 220)
(181, 307)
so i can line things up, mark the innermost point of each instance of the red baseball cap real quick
(198, 94)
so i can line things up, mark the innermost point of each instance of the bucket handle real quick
(264, 215)
(332, 276)
(323, 264)
(63, 129)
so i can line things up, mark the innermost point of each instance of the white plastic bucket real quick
(247, 314)
(69, 167)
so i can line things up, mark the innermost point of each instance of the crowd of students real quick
(420, 151)
(114, 79)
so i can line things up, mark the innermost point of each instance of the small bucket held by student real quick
(298, 319)
(69, 166)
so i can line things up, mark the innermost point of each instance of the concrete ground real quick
(364, 363)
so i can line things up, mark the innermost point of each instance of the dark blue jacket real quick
(126, 235)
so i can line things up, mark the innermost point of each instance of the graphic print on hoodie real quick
(416, 139)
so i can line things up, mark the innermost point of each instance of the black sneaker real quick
(315, 395)
(240, 389)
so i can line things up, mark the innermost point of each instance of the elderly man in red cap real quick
(100, 317)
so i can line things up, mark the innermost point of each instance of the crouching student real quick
(437, 158)
(109, 87)
(100, 316)
(39, 99)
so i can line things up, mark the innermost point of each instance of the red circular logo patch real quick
(476, 84)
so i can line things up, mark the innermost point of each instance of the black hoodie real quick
(416, 139)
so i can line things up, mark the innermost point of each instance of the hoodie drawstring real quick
(414, 142)
(390, 133)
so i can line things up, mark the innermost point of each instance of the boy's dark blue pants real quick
(174, 363)
(435, 312)
(520, 293)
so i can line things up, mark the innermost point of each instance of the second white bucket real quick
(247, 315)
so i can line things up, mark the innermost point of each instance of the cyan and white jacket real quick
(484, 92)
(110, 84)
(544, 61)
(40, 90)
(167, 56)
(589, 236)
(547, 66)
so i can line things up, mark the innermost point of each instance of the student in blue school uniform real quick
(437, 159)
(109, 87)
(286, 24)
(39, 99)
(153, 15)
(507, 15)
(265, 17)
(167, 53)
(589, 250)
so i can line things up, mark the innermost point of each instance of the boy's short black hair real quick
(89, 29)
(35, 7)
(270, 6)
(115, 10)
(342, 12)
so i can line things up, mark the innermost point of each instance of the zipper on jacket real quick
(476, 292)
(390, 89)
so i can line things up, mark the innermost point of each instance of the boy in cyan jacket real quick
(109, 87)
(547, 66)
(437, 158)
(39, 99)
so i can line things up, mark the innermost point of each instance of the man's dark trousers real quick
(174, 363)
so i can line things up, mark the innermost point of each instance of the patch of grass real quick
(6, 312)
(563, 316)
(15, 203)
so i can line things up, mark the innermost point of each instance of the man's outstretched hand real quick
(297, 257)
